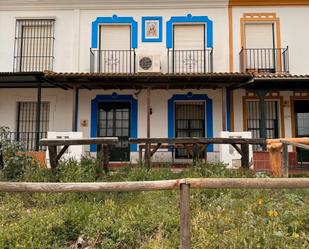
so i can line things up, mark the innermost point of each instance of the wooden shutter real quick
(259, 35)
(115, 37)
(189, 37)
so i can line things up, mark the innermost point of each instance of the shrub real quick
(16, 166)
(220, 218)
(72, 171)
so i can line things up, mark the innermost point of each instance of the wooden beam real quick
(200, 183)
(155, 149)
(201, 140)
(303, 140)
(237, 149)
(300, 145)
(62, 151)
(78, 141)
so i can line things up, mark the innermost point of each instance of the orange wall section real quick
(267, 3)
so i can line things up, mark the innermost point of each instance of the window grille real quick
(34, 45)
(253, 119)
(189, 122)
(26, 120)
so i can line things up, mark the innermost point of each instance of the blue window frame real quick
(208, 113)
(152, 20)
(114, 20)
(114, 98)
(189, 19)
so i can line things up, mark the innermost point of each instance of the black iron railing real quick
(112, 61)
(264, 60)
(190, 61)
(34, 45)
(26, 140)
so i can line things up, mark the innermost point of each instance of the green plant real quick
(16, 166)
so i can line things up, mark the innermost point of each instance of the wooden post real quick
(105, 158)
(206, 149)
(184, 216)
(224, 126)
(1, 158)
(147, 151)
(285, 161)
(140, 153)
(245, 155)
(52, 150)
(102, 156)
(261, 94)
(196, 153)
(38, 117)
(75, 109)
(275, 158)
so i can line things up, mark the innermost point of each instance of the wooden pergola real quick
(260, 84)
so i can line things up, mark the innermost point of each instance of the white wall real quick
(73, 35)
(159, 117)
(60, 116)
(64, 39)
(220, 36)
(294, 33)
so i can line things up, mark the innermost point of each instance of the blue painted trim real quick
(114, 20)
(113, 98)
(146, 18)
(76, 110)
(208, 116)
(189, 19)
(228, 109)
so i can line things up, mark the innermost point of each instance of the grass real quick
(219, 218)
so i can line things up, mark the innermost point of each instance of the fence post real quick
(245, 156)
(1, 157)
(285, 161)
(184, 216)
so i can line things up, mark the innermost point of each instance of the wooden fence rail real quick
(184, 185)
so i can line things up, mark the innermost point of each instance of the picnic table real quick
(102, 148)
(195, 146)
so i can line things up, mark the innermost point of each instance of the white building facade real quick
(206, 63)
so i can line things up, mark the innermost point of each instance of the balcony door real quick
(115, 48)
(301, 110)
(260, 47)
(253, 121)
(114, 121)
(189, 122)
(189, 48)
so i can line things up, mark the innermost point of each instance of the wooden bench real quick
(195, 146)
(102, 147)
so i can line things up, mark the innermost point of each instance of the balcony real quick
(264, 60)
(112, 61)
(190, 61)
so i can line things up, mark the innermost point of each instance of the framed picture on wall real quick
(152, 29)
